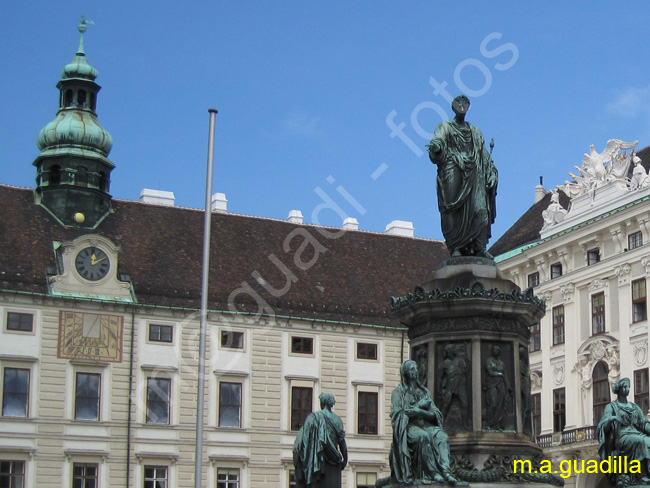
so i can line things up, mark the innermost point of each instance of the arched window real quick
(93, 101)
(55, 175)
(103, 181)
(81, 98)
(82, 176)
(68, 98)
(601, 390)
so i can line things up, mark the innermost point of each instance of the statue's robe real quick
(316, 455)
(420, 449)
(466, 186)
(627, 436)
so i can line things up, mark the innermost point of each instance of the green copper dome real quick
(75, 130)
(75, 127)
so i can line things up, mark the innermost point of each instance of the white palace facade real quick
(584, 249)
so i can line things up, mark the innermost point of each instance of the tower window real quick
(103, 181)
(55, 175)
(93, 101)
(82, 176)
(68, 98)
(81, 98)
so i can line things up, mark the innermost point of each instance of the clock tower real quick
(73, 169)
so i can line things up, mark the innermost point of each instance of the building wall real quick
(51, 441)
(624, 341)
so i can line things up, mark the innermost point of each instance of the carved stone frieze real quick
(536, 380)
(558, 373)
(623, 273)
(477, 290)
(640, 352)
(469, 324)
(645, 262)
(568, 291)
(597, 284)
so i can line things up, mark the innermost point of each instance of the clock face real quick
(90, 336)
(92, 263)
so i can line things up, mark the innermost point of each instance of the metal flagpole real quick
(198, 461)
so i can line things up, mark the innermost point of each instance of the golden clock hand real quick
(98, 261)
(92, 259)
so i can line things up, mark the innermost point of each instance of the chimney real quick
(219, 203)
(400, 228)
(351, 224)
(157, 197)
(295, 217)
(539, 190)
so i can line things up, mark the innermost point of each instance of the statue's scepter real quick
(491, 146)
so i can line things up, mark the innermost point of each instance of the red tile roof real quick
(352, 277)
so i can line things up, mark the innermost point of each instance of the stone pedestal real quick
(469, 333)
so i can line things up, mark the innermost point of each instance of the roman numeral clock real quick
(87, 268)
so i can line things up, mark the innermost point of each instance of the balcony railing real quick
(581, 434)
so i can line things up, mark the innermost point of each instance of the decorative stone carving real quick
(547, 296)
(498, 393)
(567, 291)
(502, 469)
(558, 373)
(536, 380)
(645, 262)
(597, 284)
(421, 357)
(640, 178)
(554, 213)
(477, 290)
(600, 169)
(623, 273)
(595, 349)
(454, 386)
(640, 352)
(614, 363)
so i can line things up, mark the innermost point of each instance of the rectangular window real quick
(232, 340)
(556, 270)
(536, 400)
(161, 333)
(367, 412)
(227, 478)
(366, 351)
(229, 404)
(593, 256)
(533, 280)
(87, 396)
(366, 480)
(634, 240)
(155, 477)
(301, 405)
(598, 313)
(85, 475)
(158, 400)
(292, 479)
(15, 393)
(559, 410)
(12, 474)
(639, 308)
(558, 325)
(23, 322)
(302, 345)
(535, 338)
(641, 390)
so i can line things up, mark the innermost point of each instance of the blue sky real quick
(304, 90)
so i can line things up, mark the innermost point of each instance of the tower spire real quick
(82, 29)
(73, 169)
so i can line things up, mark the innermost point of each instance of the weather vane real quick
(82, 29)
